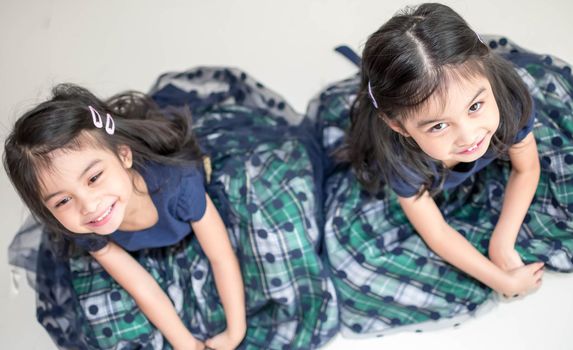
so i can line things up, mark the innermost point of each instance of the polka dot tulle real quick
(386, 277)
(317, 252)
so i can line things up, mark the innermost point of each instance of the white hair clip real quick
(372, 96)
(480, 39)
(98, 121)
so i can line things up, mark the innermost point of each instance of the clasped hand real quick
(222, 341)
(521, 279)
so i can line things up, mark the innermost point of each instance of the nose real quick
(89, 204)
(467, 135)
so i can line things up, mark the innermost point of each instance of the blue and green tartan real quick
(385, 275)
(369, 273)
(265, 184)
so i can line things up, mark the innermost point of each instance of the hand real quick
(224, 341)
(506, 259)
(523, 280)
(190, 344)
(198, 346)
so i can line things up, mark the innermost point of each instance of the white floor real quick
(110, 46)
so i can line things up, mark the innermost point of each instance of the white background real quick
(109, 46)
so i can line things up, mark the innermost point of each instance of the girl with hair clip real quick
(460, 173)
(137, 243)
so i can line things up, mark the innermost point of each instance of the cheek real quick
(119, 180)
(430, 144)
(493, 114)
(125, 184)
(435, 149)
(64, 218)
(61, 215)
(496, 121)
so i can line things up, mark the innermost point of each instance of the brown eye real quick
(438, 127)
(63, 202)
(475, 107)
(95, 178)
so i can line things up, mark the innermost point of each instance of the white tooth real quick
(104, 215)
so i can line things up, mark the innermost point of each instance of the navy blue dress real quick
(458, 174)
(265, 184)
(178, 193)
(386, 277)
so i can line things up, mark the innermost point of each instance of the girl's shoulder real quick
(179, 189)
(528, 127)
(407, 182)
(166, 177)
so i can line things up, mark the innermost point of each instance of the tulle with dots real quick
(386, 277)
(265, 183)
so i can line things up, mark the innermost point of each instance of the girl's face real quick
(458, 129)
(88, 190)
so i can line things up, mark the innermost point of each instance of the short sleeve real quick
(89, 242)
(406, 182)
(521, 134)
(402, 188)
(191, 204)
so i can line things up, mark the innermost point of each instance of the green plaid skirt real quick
(386, 277)
(264, 184)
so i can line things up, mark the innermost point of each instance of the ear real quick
(125, 155)
(396, 126)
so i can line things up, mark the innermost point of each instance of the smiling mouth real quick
(103, 216)
(473, 148)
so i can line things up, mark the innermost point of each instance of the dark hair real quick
(152, 135)
(406, 61)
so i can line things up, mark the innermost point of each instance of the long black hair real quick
(58, 124)
(405, 62)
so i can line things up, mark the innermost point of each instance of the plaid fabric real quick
(385, 275)
(265, 171)
(113, 320)
(263, 182)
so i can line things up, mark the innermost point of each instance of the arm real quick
(427, 219)
(519, 192)
(213, 238)
(147, 294)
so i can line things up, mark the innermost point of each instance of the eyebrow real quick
(422, 123)
(87, 169)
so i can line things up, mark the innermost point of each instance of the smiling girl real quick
(445, 197)
(152, 264)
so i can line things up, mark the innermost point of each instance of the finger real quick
(538, 274)
(535, 266)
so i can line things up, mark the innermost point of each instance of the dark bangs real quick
(29, 151)
(410, 59)
(433, 86)
(39, 159)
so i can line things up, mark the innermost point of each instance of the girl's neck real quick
(450, 164)
(140, 212)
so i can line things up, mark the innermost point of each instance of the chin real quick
(470, 159)
(105, 233)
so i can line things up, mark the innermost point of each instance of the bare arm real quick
(519, 192)
(150, 298)
(427, 219)
(213, 238)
